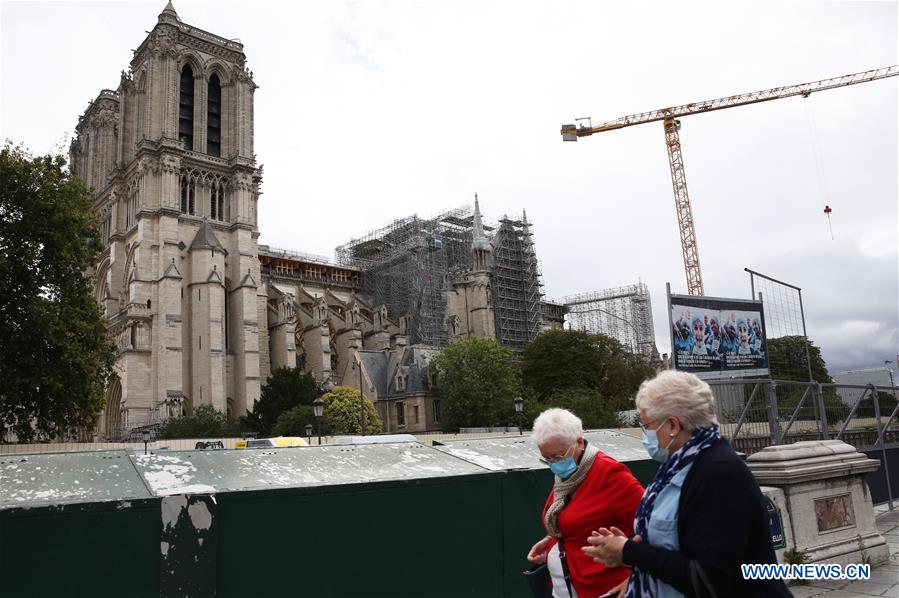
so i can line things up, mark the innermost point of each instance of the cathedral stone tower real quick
(469, 294)
(169, 158)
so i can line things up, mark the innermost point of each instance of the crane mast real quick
(670, 116)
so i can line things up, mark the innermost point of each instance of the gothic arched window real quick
(217, 201)
(214, 118)
(186, 108)
(188, 192)
(221, 200)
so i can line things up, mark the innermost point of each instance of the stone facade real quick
(169, 158)
(201, 314)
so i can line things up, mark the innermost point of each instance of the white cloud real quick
(375, 110)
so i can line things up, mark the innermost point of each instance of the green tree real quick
(588, 405)
(787, 361)
(206, 422)
(341, 413)
(561, 360)
(55, 357)
(293, 421)
(284, 389)
(479, 381)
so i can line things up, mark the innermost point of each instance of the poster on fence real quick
(718, 338)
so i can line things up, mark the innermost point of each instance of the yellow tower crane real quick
(669, 117)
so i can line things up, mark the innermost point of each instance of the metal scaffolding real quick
(405, 264)
(517, 294)
(624, 313)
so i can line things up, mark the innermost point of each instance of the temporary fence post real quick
(883, 450)
(824, 430)
(772, 415)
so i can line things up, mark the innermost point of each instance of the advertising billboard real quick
(714, 337)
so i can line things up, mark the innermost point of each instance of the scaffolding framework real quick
(405, 265)
(517, 294)
(624, 313)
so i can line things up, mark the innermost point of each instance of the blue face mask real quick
(564, 467)
(651, 443)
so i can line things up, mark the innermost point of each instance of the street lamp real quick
(519, 407)
(146, 437)
(361, 395)
(318, 408)
(309, 433)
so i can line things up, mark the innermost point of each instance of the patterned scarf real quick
(563, 488)
(640, 584)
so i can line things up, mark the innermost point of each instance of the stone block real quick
(831, 517)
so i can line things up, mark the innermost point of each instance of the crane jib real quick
(675, 158)
(744, 99)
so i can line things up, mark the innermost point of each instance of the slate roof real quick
(206, 239)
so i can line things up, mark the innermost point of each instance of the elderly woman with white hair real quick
(591, 490)
(702, 516)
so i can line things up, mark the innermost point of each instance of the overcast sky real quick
(369, 111)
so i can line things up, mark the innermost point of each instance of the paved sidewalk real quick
(884, 577)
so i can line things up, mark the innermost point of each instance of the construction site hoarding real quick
(716, 337)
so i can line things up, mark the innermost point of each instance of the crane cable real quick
(818, 159)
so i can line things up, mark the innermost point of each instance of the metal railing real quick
(754, 414)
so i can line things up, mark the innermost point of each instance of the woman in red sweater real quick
(591, 490)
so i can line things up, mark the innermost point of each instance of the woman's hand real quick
(539, 551)
(607, 545)
(619, 591)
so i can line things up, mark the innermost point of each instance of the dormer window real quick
(186, 108)
(401, 382)
(400, 414)
(432, 378)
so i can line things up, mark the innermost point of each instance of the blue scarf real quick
(640, 584)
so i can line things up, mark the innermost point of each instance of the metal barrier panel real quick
(92, 550)
(877, 480)
(435, 537)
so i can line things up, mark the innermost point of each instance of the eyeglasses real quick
(646, 426)
(557, 459)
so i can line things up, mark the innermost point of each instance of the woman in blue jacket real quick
(702, 516)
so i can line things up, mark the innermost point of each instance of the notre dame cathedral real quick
(201, 313)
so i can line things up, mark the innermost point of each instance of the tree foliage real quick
(55, 357)
(573, 360)
(293, 422)
(787, 361)
(479, 381)
(206, 422)
(285, 389)
(341, 413)
(588, 405)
